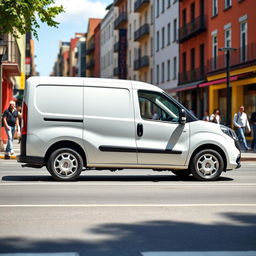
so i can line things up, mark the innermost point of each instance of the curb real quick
(11, 157)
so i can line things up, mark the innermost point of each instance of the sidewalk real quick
(250, 156)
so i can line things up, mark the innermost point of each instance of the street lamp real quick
(3, 48)
(227, 51)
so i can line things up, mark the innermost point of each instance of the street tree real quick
(20, 16)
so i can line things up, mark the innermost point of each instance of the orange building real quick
(90, 47)
(232, 24)
(193, 54)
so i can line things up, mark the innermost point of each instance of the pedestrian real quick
(10, 120)
(215, 116)
(253, 122)
(242, 126)
(19, 109)
(206, 116)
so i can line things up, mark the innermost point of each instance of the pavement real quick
(248, 156)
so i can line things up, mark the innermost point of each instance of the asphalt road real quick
(131, 212)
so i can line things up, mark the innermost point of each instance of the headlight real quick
(229, 132)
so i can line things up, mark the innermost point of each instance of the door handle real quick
(140, 129)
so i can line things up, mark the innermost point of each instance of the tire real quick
(181, 173)
(65, 164)
(207, 165)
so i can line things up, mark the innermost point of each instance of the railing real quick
(120, 19)
(195, 27)
(141, 63)
(240, 57)
(192, 75)
(139, 4)
(90, 48)
(90, 64)
(117, 2)
(116, 71)
(142, 31)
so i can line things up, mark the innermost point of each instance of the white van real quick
(74, 124)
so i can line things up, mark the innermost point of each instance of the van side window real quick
(155, 106)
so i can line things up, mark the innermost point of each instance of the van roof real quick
(89, 81)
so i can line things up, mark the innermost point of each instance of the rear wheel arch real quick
(213, 147)
(66, 144)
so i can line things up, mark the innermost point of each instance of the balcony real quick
(140, 4)
(192, 29)
(116, 71)
(192, 75)
(142, 32)
(90, 48)
(116, 47)
(240, 58)
(11, 59)
(120, 20)
(141, 63)
(118, 2)
(90, 64)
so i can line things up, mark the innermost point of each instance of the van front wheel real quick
(207, 165)
(65, 164)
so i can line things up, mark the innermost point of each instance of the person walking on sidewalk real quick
(253, 122)
(10, 119)
(242, 125)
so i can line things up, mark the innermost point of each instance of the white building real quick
(107, 44)
(166, 50)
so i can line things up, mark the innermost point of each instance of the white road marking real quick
(41, 254)
(121, 205)
(126, 183)
(213, 253)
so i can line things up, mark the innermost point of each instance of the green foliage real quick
(20, 16)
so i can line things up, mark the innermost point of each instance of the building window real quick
(157, 8)
(174, 30)
(168, 70)
(169, 34)
(228, 4)
(163, 37)
(214, 7)
(157, 74)
(174, 72)
(192, 12)
(243, 41)
(228, 38)
(192, 58)
(163, 5)
(214, 51)
(163, 72)
(157, 41)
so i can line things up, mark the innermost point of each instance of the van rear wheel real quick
(207, 165)
(65, 164)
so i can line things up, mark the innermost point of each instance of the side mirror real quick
(183, 118)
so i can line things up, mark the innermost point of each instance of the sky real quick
(75, 19)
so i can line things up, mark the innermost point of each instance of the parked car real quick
(74, 124)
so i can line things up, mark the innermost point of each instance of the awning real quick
(219, 81)
(185, 87)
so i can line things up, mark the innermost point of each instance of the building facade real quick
(12, 72)
(92, 44)
(193, 45)
(166, 50)
(232, 24)
(107, 44)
